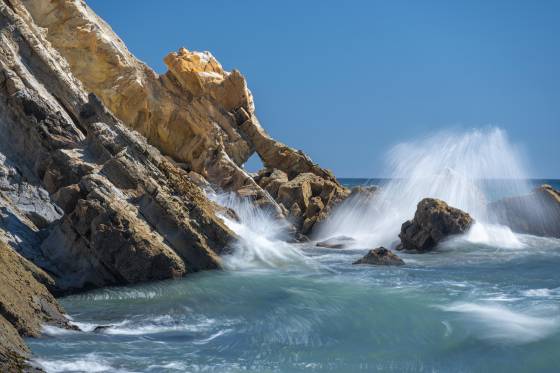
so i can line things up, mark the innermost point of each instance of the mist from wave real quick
(451, 166)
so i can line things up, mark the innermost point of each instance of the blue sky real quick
(346, 80)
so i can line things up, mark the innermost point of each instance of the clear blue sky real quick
(346, 80)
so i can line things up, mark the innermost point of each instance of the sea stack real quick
(433, 221)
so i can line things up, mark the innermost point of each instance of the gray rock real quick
(537, 213)
(380, 256)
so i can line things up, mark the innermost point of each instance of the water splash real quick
(262, 237)
(501, 324)
(466, 170)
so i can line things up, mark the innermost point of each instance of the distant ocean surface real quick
(352, 182)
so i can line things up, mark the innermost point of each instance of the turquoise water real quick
(463, 308)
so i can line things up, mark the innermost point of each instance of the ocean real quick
(472, 305)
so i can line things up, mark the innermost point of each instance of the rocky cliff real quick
(101, 161)
(197, 113)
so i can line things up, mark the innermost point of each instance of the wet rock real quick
(25, 306)
(380, 256)
(338, 242)
(537, 213)
(308, 198)
(433, 221)
(101, 328)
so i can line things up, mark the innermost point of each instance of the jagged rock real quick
(307, 197)
(197, 113)
(337, 242)
(130, 215)
(380, 256)
(537, 213)
(84, 196)
(433, 221)
(25, 305)
(364, 192)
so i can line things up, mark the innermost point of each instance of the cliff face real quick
(100, 158)
(200, 115)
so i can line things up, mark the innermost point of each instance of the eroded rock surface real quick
(198, 113)
(380, 256)
(83, 196)
(433, 221)
(103, 161)
(307, 198)
(537, 213)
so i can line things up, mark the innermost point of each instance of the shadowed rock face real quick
(104, 188)
(197, 113)
(25, 305)
(380, 256)
(307, 199)
(433, 221)
(80, 194)
(537, 213)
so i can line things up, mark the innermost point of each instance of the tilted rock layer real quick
(102, 162)
(197, 113)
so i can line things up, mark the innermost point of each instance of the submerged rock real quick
(537, 213)
(433, 221)
(380, 256)
(338, 242)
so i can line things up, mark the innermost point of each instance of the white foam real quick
(541, 293)
(160, 324)
(174, 365)
(501, 324)
(261, 242)
(54, 331)
(88, 363)
(493, 235)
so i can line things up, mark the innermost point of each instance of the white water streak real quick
(501, 324)
(262, 237)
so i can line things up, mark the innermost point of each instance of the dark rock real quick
(380, 256)
(337, 242)
(537, 213)
(25, 305)
(433, 221)
(101, 328)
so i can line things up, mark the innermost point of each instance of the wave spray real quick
(467, 170)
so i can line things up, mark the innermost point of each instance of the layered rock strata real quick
(200, 115)
(104, 188)
(107, 208)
